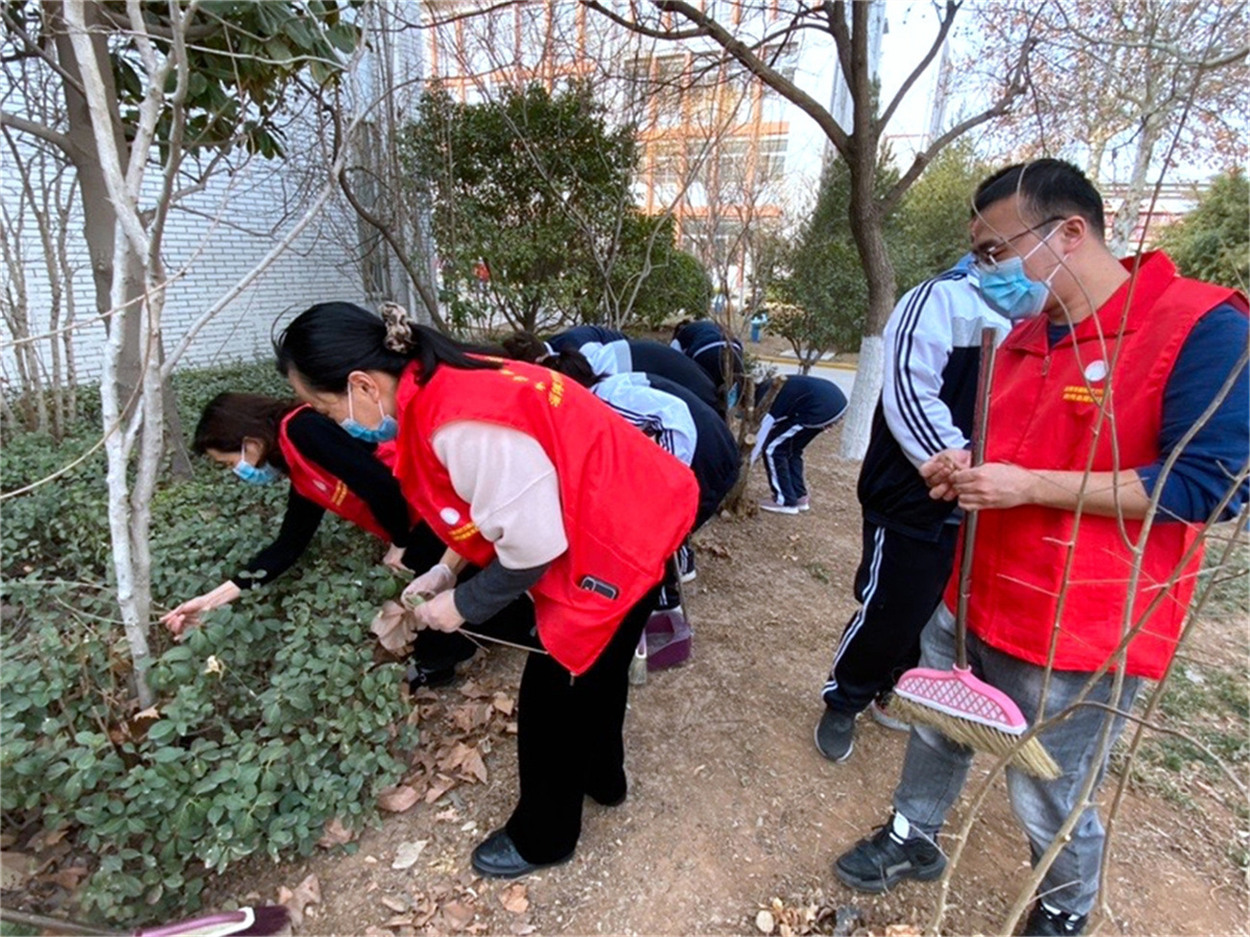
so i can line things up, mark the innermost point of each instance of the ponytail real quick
(573, 364)
(329, 341)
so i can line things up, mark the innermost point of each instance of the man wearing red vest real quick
(1111, 377)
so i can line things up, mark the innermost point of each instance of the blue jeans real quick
(934, 769)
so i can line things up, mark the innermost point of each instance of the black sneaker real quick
(1043, 922)
(835, 734)
(878, 864)
(685, 563)
(669, 598)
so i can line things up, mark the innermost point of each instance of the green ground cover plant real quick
(270, 721)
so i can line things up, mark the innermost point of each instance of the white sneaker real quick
(776, 508)
(805, 503)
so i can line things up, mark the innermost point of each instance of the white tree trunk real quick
(129, 512)
(857, 426)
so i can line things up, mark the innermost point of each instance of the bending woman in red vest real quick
(262, 438)
(525, 473)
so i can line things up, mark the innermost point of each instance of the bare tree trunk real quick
(130, 395)
(748, 419)
(1138, 186)
(866, 225)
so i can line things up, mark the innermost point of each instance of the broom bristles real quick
(1030, 757)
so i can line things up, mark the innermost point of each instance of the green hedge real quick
(272, 719)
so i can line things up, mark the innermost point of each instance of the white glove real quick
(438, 578)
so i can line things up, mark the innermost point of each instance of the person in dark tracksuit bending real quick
(704, 342)
(608, 356)
(932, 345)
(802, 410)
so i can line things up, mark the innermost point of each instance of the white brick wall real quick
(214, 238)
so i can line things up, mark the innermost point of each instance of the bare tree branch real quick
(35, 129)
(739, 50)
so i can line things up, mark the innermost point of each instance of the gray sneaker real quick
(835, 734)
(879, 863)
(884, 714)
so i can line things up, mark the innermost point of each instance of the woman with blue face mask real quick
(261, 439)
(342, 469)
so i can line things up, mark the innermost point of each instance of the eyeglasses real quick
(987, 257)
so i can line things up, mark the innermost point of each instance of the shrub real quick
(270, 720)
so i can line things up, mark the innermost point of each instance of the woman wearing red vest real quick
(524, 472)
(262, 438)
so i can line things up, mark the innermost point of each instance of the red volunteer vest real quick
(626, 503)
(326, 490)
(1046, 413)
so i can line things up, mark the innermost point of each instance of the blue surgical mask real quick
(385, 431)
(254, 474)
(1006, 288)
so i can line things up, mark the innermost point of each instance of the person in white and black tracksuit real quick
(803, 408)
(932, 353)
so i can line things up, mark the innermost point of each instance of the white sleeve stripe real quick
(910, 406)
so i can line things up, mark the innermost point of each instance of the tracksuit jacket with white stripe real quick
(932, 350)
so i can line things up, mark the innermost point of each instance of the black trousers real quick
(783, 459)
(899, 583)
(569, 741)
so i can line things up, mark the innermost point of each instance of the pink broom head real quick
(958, 693)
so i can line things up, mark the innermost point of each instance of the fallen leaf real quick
(398, 799)
(335, 834)
(404, 920)
(469, 717)
(455, 758)
(474, 690)
(69, 877)
(396, 905)
(764, 922)
(902, 930)
(407, 854)
(504, 703)
(473, 766)
(785, 930)
(307, 892)
(439, 788)
(521, 929)
(458, 914)
(514, 900)
(15, 869)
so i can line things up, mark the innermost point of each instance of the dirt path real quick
(730, 805)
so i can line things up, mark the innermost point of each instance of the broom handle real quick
(980, 416)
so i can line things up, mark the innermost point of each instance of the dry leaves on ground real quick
(308, 892)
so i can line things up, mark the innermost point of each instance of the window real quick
(771, 164)
(666, 163)
(698, 155)
(667, 78)
(731, 161)
(782, 59)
